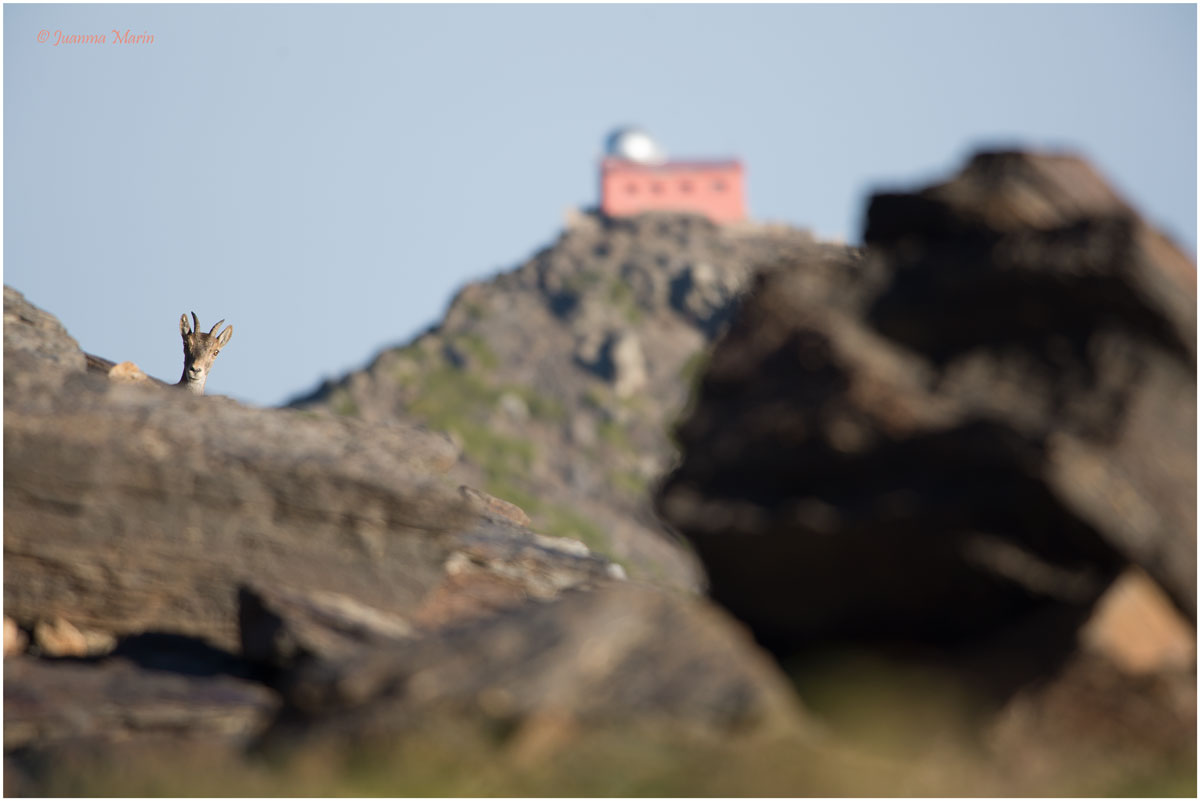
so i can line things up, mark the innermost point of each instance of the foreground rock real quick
(49, 703)
(131, 508)
(620, 653)
(983, 435)
(203, 571)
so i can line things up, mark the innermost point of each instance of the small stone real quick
(514, 406)
(126, 371)
(15, 640)
(492, 507)
(629, 365)
(562, 544)
(1135, 624)
(583, 430)
(59, 638)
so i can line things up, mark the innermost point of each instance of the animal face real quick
(199, 351)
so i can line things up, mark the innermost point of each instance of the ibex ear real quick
(184, 328)
(225, 336)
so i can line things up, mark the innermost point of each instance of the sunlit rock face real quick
(562, 378)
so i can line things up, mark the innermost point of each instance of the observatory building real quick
(637, 176)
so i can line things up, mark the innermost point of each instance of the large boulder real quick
(129, 507)
(620, 653)
(963, 434)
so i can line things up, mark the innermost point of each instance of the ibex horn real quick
(195, 322)
(215, 327)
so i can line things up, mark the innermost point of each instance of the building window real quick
(719, 185)
(631, 188)
(685, 186)
(656, 187)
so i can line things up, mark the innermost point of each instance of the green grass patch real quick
(541, 407)
(504, 488)
(475, 311)
(693, 368)
(583, 281)
(620, 295)
(476, 347)
(563, 521)
(629, 482)
(596, 399)
(342, 404)
(449, 397)
(614, 435)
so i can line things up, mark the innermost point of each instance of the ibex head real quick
(199, 350)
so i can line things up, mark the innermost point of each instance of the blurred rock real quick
(628, 365)
(494, 508)
(131, 508)
(1137, 628)
(151, 506)
(226, 550)
(57, 703)
(15, 640)
(620, 652)
(126, 371)
(966, 433)
(1103, 726)
(281, 627)
(1044, 300)
(34, 339)
(58, 638)
(495, 567)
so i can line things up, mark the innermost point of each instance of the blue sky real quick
(325, 177)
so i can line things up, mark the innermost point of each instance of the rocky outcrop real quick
(560, 379)
(187, 575)
(221, 493)
(622, 652)
(961, 441)
(49, 703)
(35, 340)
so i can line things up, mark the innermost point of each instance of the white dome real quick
(634, 144)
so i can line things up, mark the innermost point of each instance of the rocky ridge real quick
(561, 378)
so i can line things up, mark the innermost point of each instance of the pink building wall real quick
(715, 189)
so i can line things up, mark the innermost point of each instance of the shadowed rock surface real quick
(48, 703)
(966, 440)
(620, 652)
